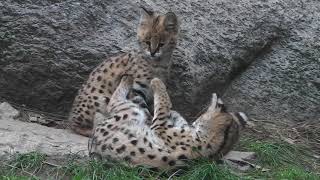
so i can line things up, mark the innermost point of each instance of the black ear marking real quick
(171, 22)
(242, 121)
(220, 104)
(223, 108)
(145, 10)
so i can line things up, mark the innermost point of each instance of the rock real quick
(7, 111)
(262, 56)
(240, 160)
(22, 137)
(240, 155)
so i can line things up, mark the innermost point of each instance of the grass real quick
(281, 160)
(103, 170)
(276, 153)
(278, 160)
(207, 170)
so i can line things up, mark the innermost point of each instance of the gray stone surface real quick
(22, 137)
(261, 55)
(7, 111)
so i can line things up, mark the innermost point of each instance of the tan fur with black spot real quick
(170, 141)
(95, 93)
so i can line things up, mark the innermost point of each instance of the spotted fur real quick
(95, 93)
(170, 141)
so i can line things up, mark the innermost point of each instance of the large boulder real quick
(262, 56)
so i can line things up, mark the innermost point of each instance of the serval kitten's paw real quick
(157, 84)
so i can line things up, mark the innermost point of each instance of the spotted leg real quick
(162, 105)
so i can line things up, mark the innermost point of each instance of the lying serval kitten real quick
(170, 141)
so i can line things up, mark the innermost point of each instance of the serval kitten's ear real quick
(214, 103)
(145, 14)
(171, 22)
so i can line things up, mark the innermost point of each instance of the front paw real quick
(157, 84)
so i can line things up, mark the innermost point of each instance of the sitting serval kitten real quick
(170, 141)
(157, 35)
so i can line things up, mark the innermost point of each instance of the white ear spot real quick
(220, 101)
(214, 99)
(244, 116)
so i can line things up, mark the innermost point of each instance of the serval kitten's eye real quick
(161, 44)
(148, 43)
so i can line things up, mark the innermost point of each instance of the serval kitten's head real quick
(220, 128)
(157, 34)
